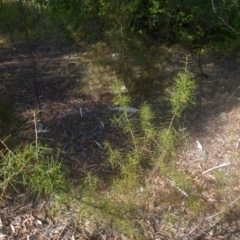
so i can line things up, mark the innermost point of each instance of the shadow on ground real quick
(77, 123)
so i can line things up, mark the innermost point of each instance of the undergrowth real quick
(148, 157)
(31, 167)
(144, 175)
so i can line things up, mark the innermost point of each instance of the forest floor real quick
(77, 119)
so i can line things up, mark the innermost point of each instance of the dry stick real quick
(178, 188)
(197, 227)
(3, 143)
(234, 93)
(229, 205)
(199, 61)
(32, 60)
(8, 25)
(159, 161)
(214, 168)
(36, 129)
(222, 20)
(64, 227)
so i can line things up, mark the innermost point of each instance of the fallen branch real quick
(124, 109)
(225, 209)
(178, 188)
(214, 168)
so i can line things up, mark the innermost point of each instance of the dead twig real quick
(214, 168)
(64, 227)
(225, 209)
(178, 188)
(3, 143)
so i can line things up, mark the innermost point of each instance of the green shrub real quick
(150, 150)
(32, 168)
(181, 93)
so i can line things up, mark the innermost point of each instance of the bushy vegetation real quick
(121, 201)
(191, 23)
(33, 168)
(30, 166)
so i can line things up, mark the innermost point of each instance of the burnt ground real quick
(77, 122)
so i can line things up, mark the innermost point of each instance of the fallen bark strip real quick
(214, 168)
